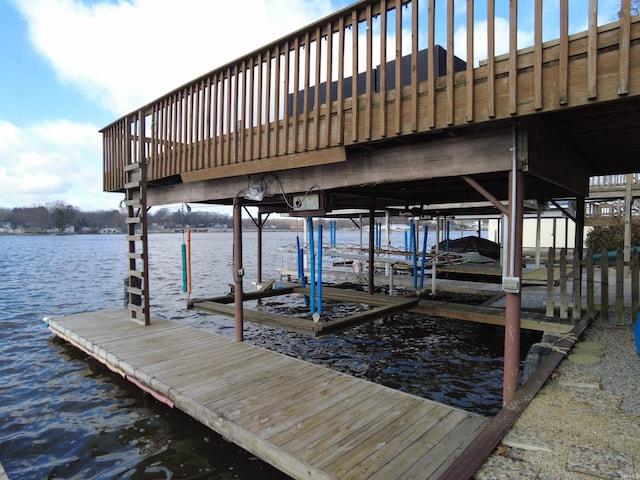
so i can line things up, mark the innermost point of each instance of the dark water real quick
(63, 415)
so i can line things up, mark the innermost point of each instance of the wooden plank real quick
(316, 90)
(291, 161)
(625, 45)
(327, 94)
(592, 51)
(431, 73)
(296, 90)
(414, 67)
(450, 64)
(488, 315)
(305, 90)
(470, 61)
(306, 420)
(383, 71)
(398, 71)
(563, 70)
(369, 74)
(354, 72)
(491, 62)
(537, 54)
(513, 57)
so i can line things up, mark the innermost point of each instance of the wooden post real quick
(620, 267)
(591, 310)
(635, 284)
(551, 260)
(576, 312)
(604, 284)
(513, 300)
(238, 271)
(564, 314)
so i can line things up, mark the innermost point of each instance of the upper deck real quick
(321, 97)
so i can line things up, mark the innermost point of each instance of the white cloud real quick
(125, 54)
(52, 161)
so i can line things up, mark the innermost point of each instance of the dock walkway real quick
(306, 420)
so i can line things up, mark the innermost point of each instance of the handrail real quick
(335, 83)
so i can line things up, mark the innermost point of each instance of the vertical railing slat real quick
(415, 110)
(564, 301)
(215, 127)
(267, 122)
(470, 62)
(450, 63)
(383, 68)
(513, 57)
(296, 92)
(276, 101)
(287, 113)
(550, 281)
(398, 72)
(354, 79)
(563, 71)
(340, 109)
(305, 91)
(327, 86)
(576, 312)
(316, 91)
(635, 284)
(431, 64)
(625, 45)
(369, 74)
(229, 125)
(234, 112)
(259, 114)
(604, 285)
(619, 287)
(591, 309)
(491, 61)
(592, 51)
(537, 56)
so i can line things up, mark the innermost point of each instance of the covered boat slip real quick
(306, 420)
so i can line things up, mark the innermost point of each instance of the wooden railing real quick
(611, 284)
(336, 83)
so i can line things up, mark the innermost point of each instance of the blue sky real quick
(70, 67)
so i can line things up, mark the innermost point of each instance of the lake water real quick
(64, 415)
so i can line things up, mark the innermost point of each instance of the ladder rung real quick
(134, 238)
(135, 255)
(133, 203)
(130, 185)
(132, 220)
(131, 166)
(136, 273)
(135, 291)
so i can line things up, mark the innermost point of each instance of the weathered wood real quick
(488, 315)
(604, 285)
(551, 259)
(306, 420)
(620, 271)
(576, 312)
(591, 310)
(564, 299)
(635, 284)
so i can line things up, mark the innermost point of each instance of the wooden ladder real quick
(136, 221)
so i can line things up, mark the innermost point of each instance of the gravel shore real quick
(585, 421)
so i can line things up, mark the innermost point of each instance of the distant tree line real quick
(60, 217)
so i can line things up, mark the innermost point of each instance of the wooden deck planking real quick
(306, 420)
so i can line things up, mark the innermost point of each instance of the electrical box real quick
(309, 204)
(310, 201)
(511, 284)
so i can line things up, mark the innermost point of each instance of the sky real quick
(70, 67)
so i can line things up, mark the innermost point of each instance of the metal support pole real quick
(372, 268)
(259, 224)
(513, 299)
(238, 270)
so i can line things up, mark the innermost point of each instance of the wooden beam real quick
(298, 160)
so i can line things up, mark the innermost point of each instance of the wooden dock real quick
(306, 420)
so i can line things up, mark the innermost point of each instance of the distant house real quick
(5, 228)
(108, 230)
